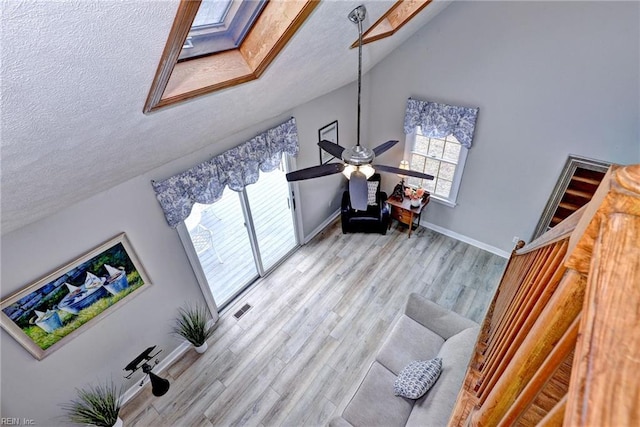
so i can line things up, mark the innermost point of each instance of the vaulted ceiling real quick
(75, 75)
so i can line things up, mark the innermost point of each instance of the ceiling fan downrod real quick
(356, 16)
(358, 155)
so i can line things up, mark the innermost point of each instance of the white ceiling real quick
(75, 76)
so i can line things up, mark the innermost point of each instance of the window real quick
(176, 80)
(220, 25)
(441, 157)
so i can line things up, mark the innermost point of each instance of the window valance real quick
(236, 168)
(440, 120)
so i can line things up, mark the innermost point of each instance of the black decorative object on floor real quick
(159, 386)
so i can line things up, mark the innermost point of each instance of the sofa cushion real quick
(438, 319)
(417, 378)
(434, 408)
(374, 403)
(407, 342)
(372, 186)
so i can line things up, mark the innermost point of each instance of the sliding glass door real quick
(271, 211)
(242, 236)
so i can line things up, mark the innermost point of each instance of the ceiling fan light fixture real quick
(348, 170)
(367, 170)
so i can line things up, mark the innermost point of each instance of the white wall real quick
(550, 78)
(35, 389)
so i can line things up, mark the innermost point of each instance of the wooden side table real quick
(404, 213)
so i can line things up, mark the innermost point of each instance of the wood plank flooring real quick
(297, 356)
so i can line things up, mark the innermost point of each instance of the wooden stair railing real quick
(560, 344)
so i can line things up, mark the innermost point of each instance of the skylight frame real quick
(176, 82)
(392, 20)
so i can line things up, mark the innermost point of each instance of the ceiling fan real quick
(357, 161)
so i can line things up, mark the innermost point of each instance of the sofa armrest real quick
(438, 319)
(339, 422)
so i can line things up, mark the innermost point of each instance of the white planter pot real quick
(201, 349)
(416, 202)
(118, 423)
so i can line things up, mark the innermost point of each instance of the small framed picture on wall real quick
(328, 133)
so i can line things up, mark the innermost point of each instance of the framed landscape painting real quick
(52, 311)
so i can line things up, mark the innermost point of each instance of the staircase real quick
(560, 344)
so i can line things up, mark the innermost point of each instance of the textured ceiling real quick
(75, 76)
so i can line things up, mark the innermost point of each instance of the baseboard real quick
(466, 239)
(322, 226)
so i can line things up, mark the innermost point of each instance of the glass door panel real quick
(221, 241)
(241, 236)
(271, 211)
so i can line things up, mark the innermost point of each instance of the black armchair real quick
(374, 220)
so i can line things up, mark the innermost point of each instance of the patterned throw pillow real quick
(417, 378)
(373, 191)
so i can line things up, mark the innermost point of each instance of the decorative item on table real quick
(96, 405)
(159, 386)
(398, 191)
(416, 195)
(191, 324)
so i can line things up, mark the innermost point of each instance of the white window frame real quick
(451, 201)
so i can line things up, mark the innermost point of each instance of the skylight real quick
(211, 13)
(220, 25)
(262, 37)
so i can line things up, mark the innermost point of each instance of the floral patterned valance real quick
(440, 120)
(236, 168)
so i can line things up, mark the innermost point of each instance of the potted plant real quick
(191, 324)
(96, 405)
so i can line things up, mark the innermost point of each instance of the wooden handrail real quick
(535, 362)
(559, 232)
(605, 380)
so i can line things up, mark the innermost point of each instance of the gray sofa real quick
(425, 330)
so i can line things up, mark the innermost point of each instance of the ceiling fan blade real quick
(407, 172)
(332, 148)
(384, 147)
(358, 191)
(315, 171)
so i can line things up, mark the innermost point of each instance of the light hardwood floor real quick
(297, 356)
